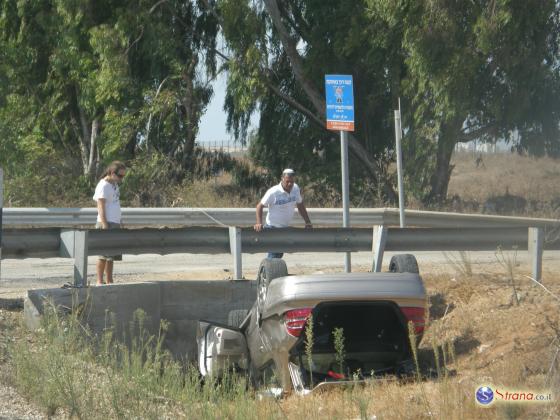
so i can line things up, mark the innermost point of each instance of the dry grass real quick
(535, 179)
(217, 192)
(492, 341)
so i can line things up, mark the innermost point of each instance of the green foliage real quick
(246, 176)
(67, 367)
(419, 165)
(149, 180)
(260, 75)
(45, 178)
(309, 341)
(473, 70)
(470, 70)
(340, 352)
(104, 80)
(96, 81)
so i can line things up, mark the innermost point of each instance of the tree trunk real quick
(449, 134)
(192, 116)
(84, 140)
(290, 47)
(87, 139)
(93, 160)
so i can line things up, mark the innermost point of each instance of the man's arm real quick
(303, 213)
(102, 215)
(259, 225)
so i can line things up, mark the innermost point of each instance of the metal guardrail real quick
(49, 242)
(78, 244)
(76, 217)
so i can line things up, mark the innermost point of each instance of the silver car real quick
(317, 330)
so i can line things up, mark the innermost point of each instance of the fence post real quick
(235, 249)
(80, 258)
(378, 247)
(536, 245)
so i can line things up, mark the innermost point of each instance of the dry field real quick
(485, 329)
(537, 180)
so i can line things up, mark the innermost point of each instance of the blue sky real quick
(212, 126)
(213, 123)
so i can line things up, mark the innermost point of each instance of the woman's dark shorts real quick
(109, 257)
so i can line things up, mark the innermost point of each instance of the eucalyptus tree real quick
(63, 72)
(99, 79)
(478, 69)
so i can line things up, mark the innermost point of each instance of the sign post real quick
(340, 117)
(398, 138)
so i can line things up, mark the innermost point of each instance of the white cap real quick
(288, 171)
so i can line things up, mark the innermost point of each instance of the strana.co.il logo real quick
(484, 395)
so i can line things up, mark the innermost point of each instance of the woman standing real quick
(107, 196)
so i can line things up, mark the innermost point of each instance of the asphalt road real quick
(17, 276)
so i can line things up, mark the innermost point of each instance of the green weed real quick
(340, 352)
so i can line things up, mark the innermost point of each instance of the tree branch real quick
(294, 104)
(293, 55)
(473, 135)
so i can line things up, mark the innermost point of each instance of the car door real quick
(220, 347)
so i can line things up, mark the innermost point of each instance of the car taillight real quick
(295, 320)
(416, 316)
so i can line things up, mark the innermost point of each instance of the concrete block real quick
(184, 303)
(98, 306)
(181, 303)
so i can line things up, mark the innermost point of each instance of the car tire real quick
(237, 316)
(403, 263)
(273, 268)
(270, 269)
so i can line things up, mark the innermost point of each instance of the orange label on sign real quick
(340, 125)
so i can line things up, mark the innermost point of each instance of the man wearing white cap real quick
(281, 201)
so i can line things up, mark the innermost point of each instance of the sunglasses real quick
(119, 175)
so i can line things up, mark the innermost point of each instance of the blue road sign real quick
(340, 102)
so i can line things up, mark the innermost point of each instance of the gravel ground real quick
(18, 276)
(13, 406)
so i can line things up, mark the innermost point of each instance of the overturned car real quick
(316, 330)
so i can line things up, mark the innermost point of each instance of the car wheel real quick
(269, 269)
(237, 316)
(403, 263)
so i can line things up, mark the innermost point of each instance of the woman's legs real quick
(109, 271)
(100, 269)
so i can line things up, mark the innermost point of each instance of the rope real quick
(213, 218)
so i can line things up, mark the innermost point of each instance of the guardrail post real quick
(536, 245)
(80, 257)
(378, 247)
(67, 243)
(235, 249)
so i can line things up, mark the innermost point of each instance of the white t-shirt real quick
(110, 192)
(281, 205)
